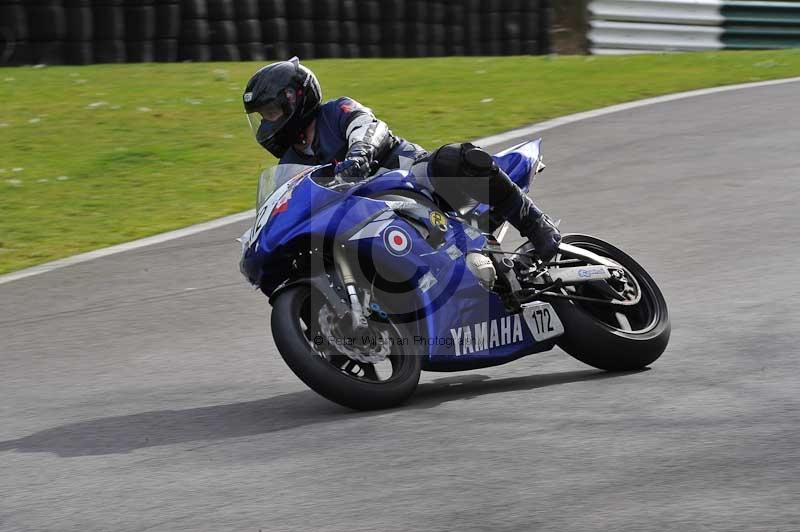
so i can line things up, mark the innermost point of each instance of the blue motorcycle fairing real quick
(312, 216)
(390, 181)
(451, 322)
(518, 167)
(449, 316)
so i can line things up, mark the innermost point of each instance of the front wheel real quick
(367, 370)
(611, 337)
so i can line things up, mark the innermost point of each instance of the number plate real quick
(542, 321)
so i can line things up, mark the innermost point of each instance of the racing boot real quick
(510, 202)
(533, 224)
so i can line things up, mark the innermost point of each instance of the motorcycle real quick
(372, 283)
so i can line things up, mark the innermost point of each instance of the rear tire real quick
(597, 343)
(320, 373)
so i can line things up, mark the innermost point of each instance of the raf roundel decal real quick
(397, 241)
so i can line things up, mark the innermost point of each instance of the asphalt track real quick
(142, 391)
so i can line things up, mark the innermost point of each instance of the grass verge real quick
(94, 156)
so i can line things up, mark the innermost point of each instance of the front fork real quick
(349, 281)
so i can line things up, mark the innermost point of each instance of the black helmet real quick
(281, 100)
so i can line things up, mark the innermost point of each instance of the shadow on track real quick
(123, 434)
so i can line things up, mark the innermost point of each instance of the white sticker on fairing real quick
(371, 230)
(542, 321)
(453, 252)
(472, 232)
(427, 281)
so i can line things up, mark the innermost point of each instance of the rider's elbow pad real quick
(366, 130)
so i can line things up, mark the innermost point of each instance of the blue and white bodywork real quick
(408, 257)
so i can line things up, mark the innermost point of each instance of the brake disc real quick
(374, 350)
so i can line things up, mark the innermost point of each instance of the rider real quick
(283, 102)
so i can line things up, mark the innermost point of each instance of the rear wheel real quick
(613, 337)
(365, 370)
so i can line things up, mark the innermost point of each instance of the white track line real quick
(127, 246)
(487, 142)
(588, 115)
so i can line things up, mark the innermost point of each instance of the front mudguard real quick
(325, 284)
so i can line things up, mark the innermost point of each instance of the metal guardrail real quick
(766, 25)
(619, 26)
(762, 13)
(687, 12)
(618, 36)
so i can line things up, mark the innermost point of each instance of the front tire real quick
(350, 383)
(597, 336)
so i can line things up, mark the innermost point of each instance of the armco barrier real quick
(623, 26)
(761, 24)
(115, 31)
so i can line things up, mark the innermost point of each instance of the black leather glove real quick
(353, 168)
(357, 163)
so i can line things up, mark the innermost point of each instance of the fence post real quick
(569, 25)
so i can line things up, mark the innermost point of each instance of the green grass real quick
(94, 156)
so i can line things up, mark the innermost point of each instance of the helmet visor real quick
(268, 119)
